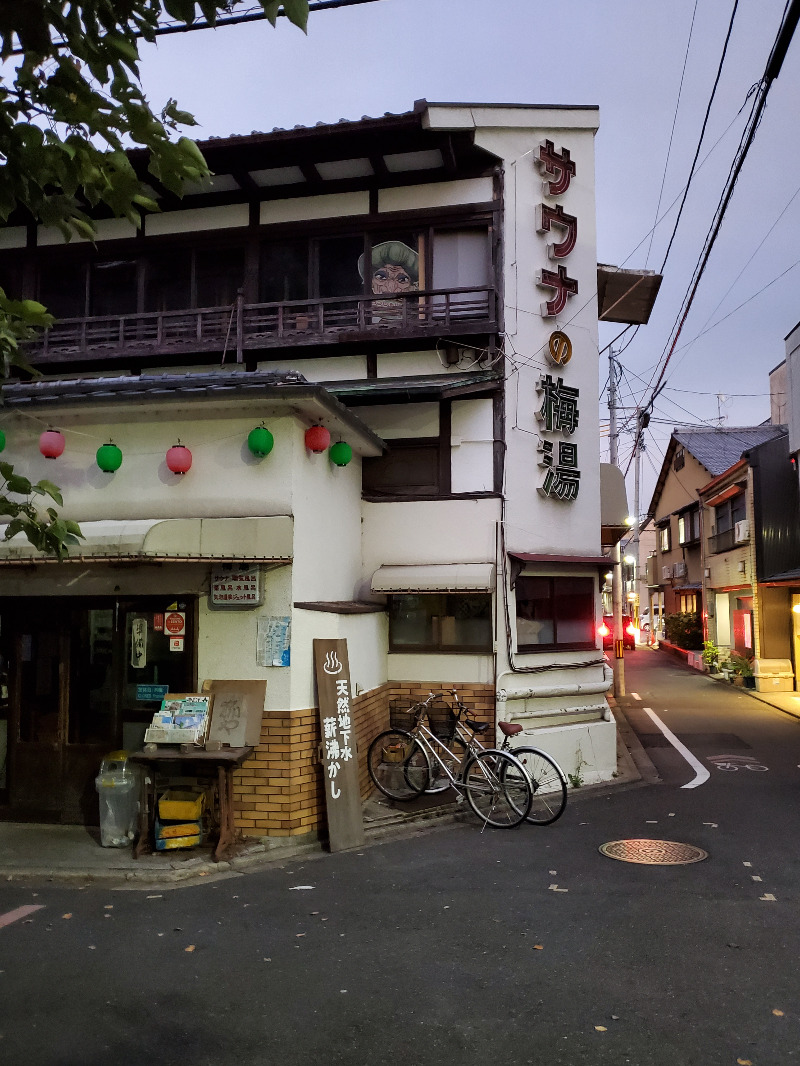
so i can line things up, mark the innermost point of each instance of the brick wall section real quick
(279, 792)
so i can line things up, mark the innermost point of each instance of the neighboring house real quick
(751, 553)
(409, 306)
(694, 456)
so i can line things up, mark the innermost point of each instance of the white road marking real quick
(702, 774)
(747, 864)
(20, 912)
(768, 897)
(636, 695)
(755, 877)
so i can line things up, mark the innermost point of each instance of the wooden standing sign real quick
(340, 765)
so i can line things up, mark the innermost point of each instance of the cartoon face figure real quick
(389, 278)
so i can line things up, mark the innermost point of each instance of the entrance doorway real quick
(84, 678)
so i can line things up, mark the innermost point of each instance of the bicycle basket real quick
(442, 720)
(401, 716)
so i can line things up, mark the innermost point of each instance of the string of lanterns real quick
(179, 458)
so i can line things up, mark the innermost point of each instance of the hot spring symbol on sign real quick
(332, 664)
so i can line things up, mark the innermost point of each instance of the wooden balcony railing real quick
(245, 327)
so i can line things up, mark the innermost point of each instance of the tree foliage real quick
(71, 106)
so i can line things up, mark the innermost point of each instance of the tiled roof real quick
(719, 448)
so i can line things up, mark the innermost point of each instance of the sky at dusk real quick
(650, 66)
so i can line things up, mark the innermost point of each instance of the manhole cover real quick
(653, 852)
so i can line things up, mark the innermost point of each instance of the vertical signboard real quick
(339, 763)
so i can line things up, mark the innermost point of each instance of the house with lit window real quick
(703, 524)
(351, 384)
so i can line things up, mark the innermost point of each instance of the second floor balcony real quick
(721, 542)
(235, 333)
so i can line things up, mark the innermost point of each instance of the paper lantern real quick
(2, 441)
(109, 457)
(260, 441)
(51, 443)
(317, 439)
(341, 453)
(179, 458)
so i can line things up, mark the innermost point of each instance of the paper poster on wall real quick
(272, 641)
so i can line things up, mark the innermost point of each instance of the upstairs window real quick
(555, 612)
(664, 539)
(689, 527)
(408, 468)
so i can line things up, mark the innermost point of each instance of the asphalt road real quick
(523, 946)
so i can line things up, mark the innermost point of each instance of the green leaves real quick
(74, 101)
(47, 532)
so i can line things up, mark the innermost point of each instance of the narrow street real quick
(526, 946)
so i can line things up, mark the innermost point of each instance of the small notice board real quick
(339, 756)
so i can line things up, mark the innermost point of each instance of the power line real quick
(702, 135)
(771, 72)
(671, 137)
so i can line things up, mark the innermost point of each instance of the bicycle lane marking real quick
(702, 773)
(20, 912)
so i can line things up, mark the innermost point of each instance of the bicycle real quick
(494, 782)
(548, 780)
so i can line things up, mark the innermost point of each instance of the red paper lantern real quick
(51, 443)
(317, 439)
(179, 458)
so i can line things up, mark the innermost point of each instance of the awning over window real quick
(435, 577)
(251, 540)
(726, 494)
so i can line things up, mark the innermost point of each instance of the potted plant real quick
(711, 656)
(742, 670)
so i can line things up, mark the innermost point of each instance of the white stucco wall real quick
(472, 446)
(225, 480)
(437, 531)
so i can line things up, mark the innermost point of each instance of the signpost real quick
(340, 766)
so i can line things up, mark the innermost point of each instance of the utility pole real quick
(616, 572)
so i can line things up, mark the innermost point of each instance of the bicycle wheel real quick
(498, 789)
(398, 765)
(549, 785)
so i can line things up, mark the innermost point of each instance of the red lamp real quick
(317, 439)
(179, 458)
(51, 443)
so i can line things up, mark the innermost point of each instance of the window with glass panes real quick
(555, 611)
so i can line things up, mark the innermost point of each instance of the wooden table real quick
(189, 763)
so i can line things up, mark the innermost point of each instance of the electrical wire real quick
(774, 63)
(671, 137)
(702, 134)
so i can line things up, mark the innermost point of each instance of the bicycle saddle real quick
(477, 727)
(509, 729)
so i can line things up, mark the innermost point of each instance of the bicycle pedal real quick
(459, 798)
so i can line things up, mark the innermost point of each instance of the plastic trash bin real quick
(773, 675)
(118, 793)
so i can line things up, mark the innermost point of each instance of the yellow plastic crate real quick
(165, 831)
(168, 843)
(181, 806)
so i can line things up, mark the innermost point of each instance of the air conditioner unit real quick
(741, 531)
(666, 573)
(680, 570)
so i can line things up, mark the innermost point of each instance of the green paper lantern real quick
(341, 453)
(109, 457)
(2, 441)
(260, 441)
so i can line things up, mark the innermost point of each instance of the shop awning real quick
(435, 577)
(251, 540)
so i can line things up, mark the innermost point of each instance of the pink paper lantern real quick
(179, 458)
(51, 443)
(317, 439)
